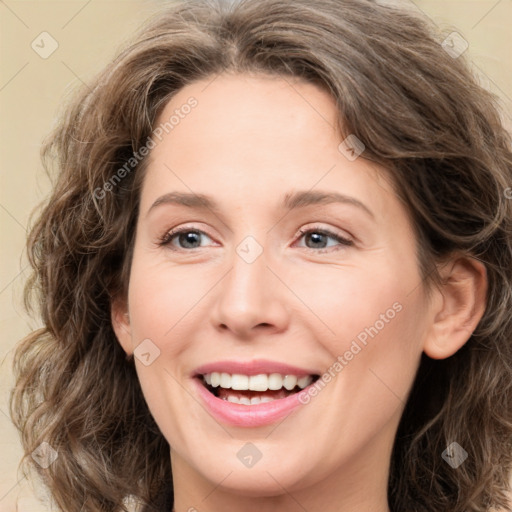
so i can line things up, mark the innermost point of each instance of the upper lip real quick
(254, 367)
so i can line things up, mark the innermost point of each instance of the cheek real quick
(161, 300)
(381, 353)
(359, 300)
(376, 318)
(163, 297)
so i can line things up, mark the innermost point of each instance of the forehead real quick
(253, 110)
(255, 136)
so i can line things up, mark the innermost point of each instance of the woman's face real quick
(246, 293)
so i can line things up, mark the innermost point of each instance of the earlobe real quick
(460, 306)
(121, 325)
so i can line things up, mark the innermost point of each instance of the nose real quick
(250, 300)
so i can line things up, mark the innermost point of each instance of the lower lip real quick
(241, 415)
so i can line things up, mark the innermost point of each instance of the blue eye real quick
(188, 238)
(320, 236)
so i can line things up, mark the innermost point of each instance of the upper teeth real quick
(260, 382)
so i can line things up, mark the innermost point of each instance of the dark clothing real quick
(164, 502)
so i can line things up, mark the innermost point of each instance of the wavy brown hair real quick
(420, 113)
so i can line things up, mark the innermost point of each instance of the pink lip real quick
(241, 415)
(254, 367)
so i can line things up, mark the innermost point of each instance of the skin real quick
(249, 141)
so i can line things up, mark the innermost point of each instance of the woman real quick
(275, 271)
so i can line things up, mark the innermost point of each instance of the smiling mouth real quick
(254, 389)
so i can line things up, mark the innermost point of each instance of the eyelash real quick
(166, 239)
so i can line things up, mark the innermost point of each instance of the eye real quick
(317, 239)
(187, 238)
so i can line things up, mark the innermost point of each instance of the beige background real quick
(31, 90)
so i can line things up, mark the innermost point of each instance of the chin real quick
(263, 479)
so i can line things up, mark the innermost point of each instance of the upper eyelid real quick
(171, 233)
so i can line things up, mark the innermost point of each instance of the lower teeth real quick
(248, 401)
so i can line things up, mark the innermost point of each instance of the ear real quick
(459, 306)
(121, 324)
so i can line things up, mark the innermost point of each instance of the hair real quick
(420, 113)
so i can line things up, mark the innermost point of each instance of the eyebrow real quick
(299, 199)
